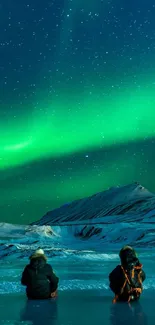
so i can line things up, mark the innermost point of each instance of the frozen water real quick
(84, 295)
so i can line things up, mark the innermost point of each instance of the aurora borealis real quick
(77, 105)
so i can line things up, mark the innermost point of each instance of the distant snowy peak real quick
(131, 199)
(119, 216)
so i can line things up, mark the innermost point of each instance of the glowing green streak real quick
(73, 128)
(16, 147)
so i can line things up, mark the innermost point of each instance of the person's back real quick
(126, 279)
(39, 278)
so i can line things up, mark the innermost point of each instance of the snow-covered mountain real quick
(118, 216)
(124, 201)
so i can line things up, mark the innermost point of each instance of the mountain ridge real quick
(110, 219)
(126, 200)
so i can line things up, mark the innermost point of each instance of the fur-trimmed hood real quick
(127, 249)
(128, 256)
(38, 254)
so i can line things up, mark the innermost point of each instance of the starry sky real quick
(77, 102)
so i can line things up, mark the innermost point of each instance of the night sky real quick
(77, 101)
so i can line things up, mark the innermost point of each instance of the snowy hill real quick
(128, 200)
(122, 215)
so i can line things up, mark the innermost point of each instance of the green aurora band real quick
(77, 112)
(60, 132)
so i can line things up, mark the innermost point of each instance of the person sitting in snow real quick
(39, 278)
(126, 279)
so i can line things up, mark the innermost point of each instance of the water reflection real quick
(40, 312)
(125, 314)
